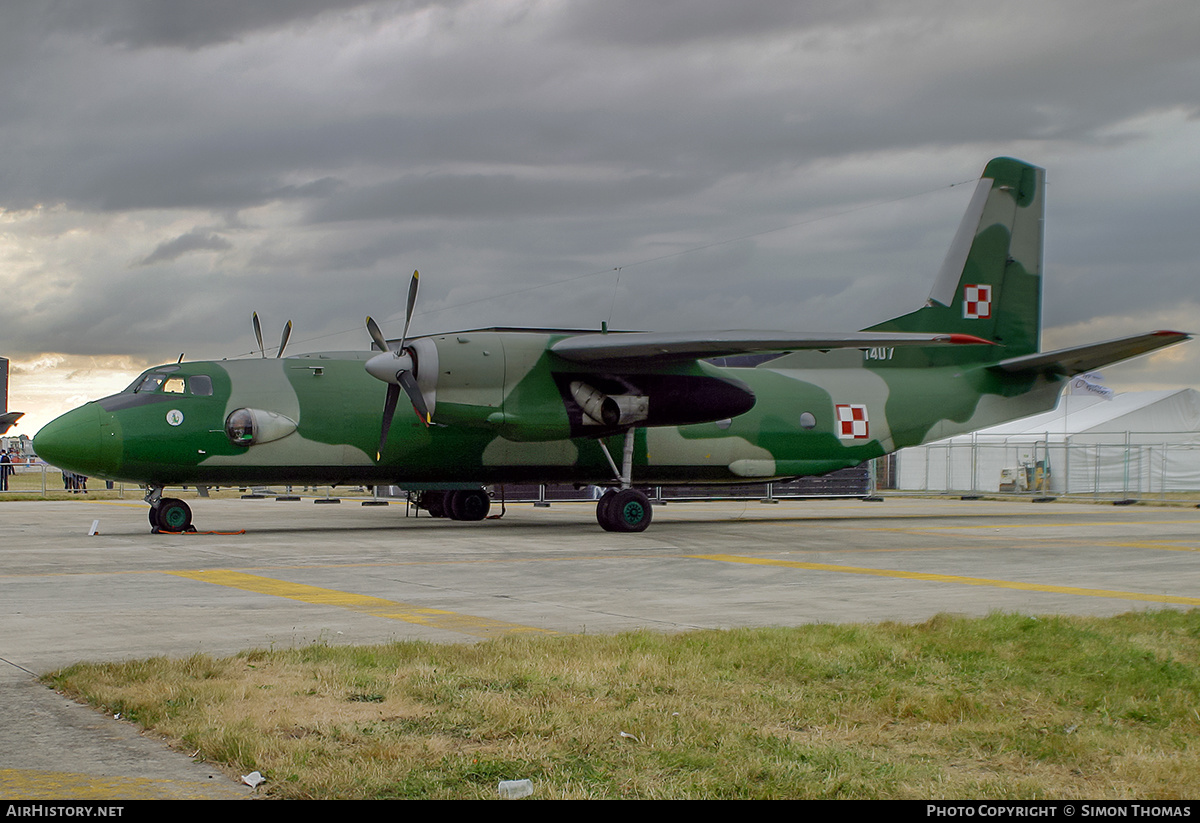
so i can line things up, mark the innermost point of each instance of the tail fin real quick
(990, 284)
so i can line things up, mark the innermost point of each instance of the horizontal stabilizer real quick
(665, 347)
(1079, 359)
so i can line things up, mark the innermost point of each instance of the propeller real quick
(396, 369)
(287, 332)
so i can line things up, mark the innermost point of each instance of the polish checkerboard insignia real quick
(977, 302)
(852, 421)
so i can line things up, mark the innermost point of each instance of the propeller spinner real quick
(396, 369)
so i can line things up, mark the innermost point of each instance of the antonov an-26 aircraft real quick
(615, 409)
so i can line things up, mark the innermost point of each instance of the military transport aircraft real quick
(503, 405)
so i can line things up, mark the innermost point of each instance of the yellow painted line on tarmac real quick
(364, 604)
(32, 784)
(951, 578)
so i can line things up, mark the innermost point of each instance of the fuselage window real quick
(201, 385)
(173, 385)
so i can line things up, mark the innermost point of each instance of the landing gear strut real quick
(625, 509)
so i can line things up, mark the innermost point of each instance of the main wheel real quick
(468, 504)
(173, 515)
(434, 503)
(628, 510)
(604, 507)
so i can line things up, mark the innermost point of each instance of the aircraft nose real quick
(80, 442)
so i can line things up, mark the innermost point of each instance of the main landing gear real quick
(625, 509)
(167, 514)
(459, 504)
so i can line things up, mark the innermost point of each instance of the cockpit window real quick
(150, 383)
(161, 380)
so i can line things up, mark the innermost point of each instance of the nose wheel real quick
(170, 514)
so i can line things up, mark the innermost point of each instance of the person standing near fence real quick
(5, 470)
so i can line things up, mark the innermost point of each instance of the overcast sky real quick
(169, 166)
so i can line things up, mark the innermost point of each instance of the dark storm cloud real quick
(674, 22)
(170, 163)
(499, 196)
(192, 25)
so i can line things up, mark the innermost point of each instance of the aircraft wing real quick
(9, 419)
(1079, 359)
(665, 347)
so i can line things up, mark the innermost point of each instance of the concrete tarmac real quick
(291, 573)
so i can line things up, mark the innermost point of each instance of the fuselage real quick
(504, 410)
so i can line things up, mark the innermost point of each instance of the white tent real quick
(1135, 443)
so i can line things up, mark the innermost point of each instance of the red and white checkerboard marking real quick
(977, 302)
(852, 421)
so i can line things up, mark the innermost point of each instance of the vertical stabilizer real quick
(990, 284)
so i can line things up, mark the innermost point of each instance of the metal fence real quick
(1129, 464)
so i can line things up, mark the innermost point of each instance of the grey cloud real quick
(197, 240)
(191, 24)
(504, 146)
(496, 196)
(678, 22)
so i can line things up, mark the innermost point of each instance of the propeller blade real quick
(409, 383)
(385, 369)
(376, 334)
(287, 332)
(408, 311)
(258, 334)
(389, 409)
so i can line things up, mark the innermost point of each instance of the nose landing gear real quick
(168, 514)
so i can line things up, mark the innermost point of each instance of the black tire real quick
(469, 504)
(604, 509)
(628, 510)
(173, 515)
(434, 503)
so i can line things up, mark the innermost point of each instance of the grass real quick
(1007, 706)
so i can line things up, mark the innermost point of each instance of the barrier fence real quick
(1139, 465)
